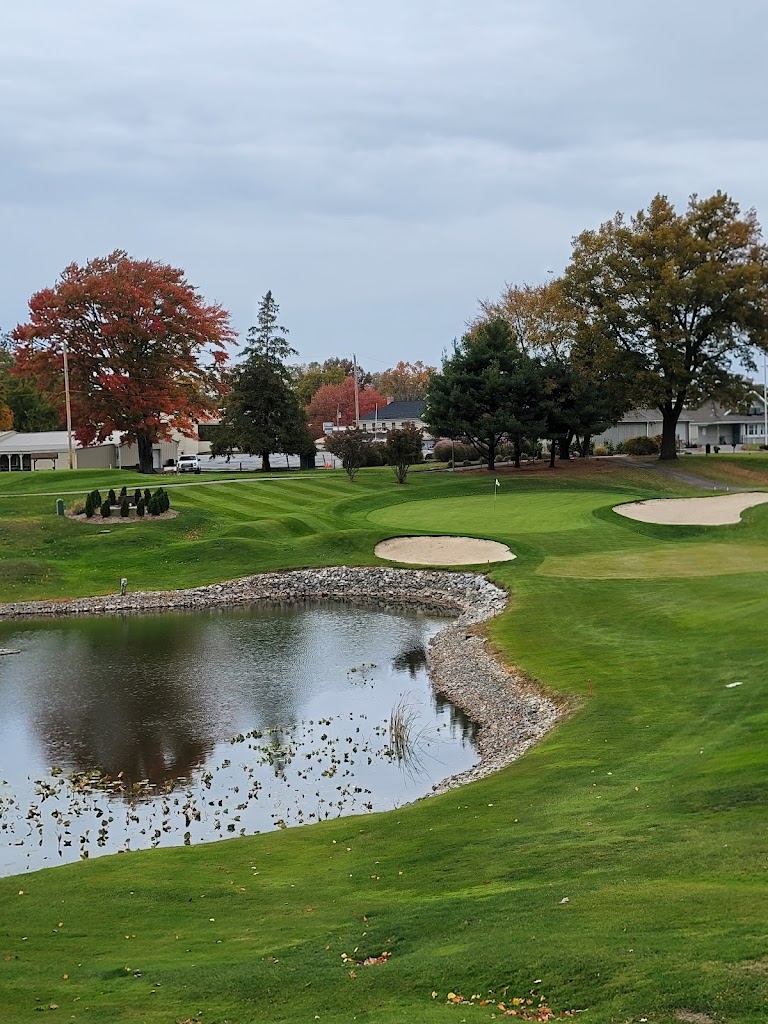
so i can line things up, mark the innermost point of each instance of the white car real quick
(188, 464)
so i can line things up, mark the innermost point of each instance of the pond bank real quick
(512, 714)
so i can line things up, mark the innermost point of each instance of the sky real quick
(379, 166)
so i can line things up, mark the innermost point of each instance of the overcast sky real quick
(379, 166)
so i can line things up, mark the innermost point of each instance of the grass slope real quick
(646, 809)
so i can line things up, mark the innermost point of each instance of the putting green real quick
(511, 514)
(704, 559)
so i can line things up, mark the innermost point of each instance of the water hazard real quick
(143, 731)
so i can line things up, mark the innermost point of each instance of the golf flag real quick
(497, 482)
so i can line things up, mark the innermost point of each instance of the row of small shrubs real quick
(143, 501)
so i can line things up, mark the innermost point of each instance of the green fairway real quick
(645, 811)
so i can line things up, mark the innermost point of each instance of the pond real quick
(124, 733)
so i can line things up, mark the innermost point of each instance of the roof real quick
(15, 443)
(397, 411)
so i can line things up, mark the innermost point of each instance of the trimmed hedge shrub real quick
(89, 509)
(112, 497)
(641, 446)
(125, 508)
(106, 509)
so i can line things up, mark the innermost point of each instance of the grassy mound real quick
(617, 869)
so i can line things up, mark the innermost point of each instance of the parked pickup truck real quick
(188, 464)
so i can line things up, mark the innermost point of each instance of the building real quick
(394, 416)
(50, 450)
(708, 424)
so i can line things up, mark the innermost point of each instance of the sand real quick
(719, 510)
(443, 550)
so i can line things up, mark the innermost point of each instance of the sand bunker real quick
(443, 550)
(716, 511)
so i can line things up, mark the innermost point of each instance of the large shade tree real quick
(686, 293)
(145, 351)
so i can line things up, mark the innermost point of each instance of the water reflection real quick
(411, 660)
(218, 723)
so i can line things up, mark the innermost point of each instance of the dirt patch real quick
(443, 551)
(691, 1017)
(719, 510)
(99, 520)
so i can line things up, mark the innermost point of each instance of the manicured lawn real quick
(646, 809)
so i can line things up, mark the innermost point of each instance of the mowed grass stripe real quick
(672, 561)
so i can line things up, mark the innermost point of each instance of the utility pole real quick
(357, 392)
(68, 407)
(765, 397)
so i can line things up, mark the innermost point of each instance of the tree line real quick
(652, 310)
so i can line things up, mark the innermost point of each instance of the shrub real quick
(147, 495)
(402, 450)
(89, 508)
(106, 509)
(96, 498)
(163, 501)
(123, 492)
(136, 497)
(140, 508)
(112, 497)
(153, 508)
(641, 446)
(459, 452)
(125, 508)
(77, 508)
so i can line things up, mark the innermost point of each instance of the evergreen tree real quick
(125, 508)
(106, 510)
(263, 413)
(487, 390)
(89, 506)
(140, 508)
(112, 497)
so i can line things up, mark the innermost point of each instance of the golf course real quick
(616, 873)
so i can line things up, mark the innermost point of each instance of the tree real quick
(263, 414)
(406, 382)
(487, 389)
(23, 406)
(595, 381)
(351, 446)
(686, 293)
(402, 449)
(311, 377)
(335, 403)
(135, 332)
(266, 337)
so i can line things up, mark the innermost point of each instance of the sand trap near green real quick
(442, 551)
(719, 510)
(661, 563)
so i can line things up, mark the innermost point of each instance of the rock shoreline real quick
(512, 713)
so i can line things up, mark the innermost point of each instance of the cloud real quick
(378, 166)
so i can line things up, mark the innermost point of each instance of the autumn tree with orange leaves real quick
(145, 351)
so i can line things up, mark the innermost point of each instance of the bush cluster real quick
(641, 446)
(145, 501)
(444, 452)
